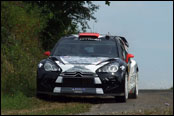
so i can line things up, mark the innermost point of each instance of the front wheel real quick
(125, 97)
(134, 95)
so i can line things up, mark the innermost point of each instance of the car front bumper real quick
(84, 84)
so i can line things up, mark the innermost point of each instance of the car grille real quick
(77, 79)
(74, 74)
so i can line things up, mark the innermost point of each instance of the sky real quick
(148, 27)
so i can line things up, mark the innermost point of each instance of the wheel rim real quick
(137, 85)
(126, 89)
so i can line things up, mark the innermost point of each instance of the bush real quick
(21, 49)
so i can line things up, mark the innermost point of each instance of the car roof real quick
(123, 39)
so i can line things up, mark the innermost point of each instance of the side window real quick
(123, 51)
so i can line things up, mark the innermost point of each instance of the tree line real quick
(28, 28)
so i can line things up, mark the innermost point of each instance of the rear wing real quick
(123, 39)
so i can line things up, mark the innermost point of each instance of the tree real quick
(65, 17)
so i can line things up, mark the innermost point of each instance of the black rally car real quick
(89, 64)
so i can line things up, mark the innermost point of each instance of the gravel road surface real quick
(147, 100)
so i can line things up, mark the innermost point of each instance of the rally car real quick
(89, 64)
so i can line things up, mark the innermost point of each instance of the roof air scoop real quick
(89, 35)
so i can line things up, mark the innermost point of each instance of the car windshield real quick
(76, 47)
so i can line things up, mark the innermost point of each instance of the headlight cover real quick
(48, 66)
(40, 65)
(113, 67)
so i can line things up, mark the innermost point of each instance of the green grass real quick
(18, 101)
(19, 104)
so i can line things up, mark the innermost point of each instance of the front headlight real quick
(40, 65)
(109, 68)
(48, 66)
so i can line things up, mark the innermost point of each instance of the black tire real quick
(41, 96)
(38, 95)
(125, 97)
(134, 95)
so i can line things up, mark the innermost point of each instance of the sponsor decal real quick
(78, 90)
(78, 69)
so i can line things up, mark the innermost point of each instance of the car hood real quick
(82, 60)
(81, 64)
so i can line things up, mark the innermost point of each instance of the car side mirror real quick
(128, 57)
(47, 53)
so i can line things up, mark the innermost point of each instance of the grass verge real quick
(19, 104)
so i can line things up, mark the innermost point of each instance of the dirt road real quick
(148, 101)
